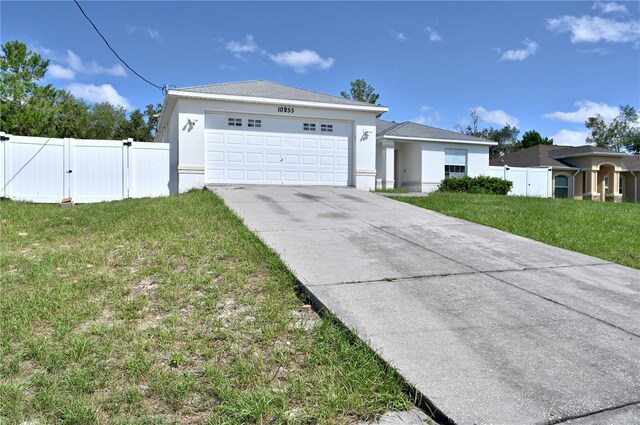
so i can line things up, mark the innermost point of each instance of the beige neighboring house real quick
(582, 172)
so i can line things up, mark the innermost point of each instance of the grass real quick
(167, 310)
(610, 231)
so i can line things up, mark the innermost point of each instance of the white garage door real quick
(250, 155)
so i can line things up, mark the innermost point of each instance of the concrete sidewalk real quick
(492, 328)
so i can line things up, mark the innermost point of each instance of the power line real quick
(163, 88)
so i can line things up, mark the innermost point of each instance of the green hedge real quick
(480, 184)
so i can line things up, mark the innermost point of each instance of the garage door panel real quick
(235, 175)
(235, 157)
(310, 143)
(253, 157)
(235, 139)
(274, 141)
(254, 140)
(255, 175)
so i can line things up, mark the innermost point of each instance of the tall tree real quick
(362, 92)
(108, 122)
(533, 138)
(72, 116)
(619, 134)
(24, 104)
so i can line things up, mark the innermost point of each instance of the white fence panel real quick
(41, 169)
(149, 169)
(540, 182)
(532, 181)
(520, 179)
(34, 169)
(97, 170)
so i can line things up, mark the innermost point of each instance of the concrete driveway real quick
(492, 328)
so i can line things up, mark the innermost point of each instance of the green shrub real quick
(481, 184)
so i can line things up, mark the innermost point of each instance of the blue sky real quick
(537, 65)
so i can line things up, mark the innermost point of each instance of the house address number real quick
(286, 109)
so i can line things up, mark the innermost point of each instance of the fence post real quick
(126, 170)
(4, 153)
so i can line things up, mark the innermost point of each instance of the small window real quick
(308, 127)
(235, 122)
(455, 163)
(561, 189)
(328, 128)
(606, 184)
(621, 185)
(254, 123)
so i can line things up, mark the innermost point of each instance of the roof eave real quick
(272, 101)
(617, 154)
(428, 139)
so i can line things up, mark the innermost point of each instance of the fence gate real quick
(41, 169)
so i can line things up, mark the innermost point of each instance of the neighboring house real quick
(582, 172)
(417, 157)
(259, 132)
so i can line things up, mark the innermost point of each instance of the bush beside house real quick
(480, 184)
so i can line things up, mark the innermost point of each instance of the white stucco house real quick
(260, 132)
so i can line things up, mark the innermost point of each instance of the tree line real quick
(28, 108)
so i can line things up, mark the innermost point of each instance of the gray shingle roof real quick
(578, 150)
(271, 90)
(419, 131)
(553, 156)
(631, 162)
(535, 156)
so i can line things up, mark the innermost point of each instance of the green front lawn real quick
(167, 311)
(601, 229)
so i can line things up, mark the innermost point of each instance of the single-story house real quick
(582, 172)
(260, 132)
(418, 157)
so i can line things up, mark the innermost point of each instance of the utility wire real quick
(164, 88)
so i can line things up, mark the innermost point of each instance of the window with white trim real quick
(235, 122)
(606, 184)
(327, 128)
(455, 163)
(308, 126)
(561, 187)
(621, 184)
(254, 123)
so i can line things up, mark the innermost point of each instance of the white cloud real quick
(226, 67)
(250, 46)
(398, 35)
(496, 116)
(151, 32)
(92, 68)
(96, 94)
(586, 109)
(592, 29)
(610, 7)
(521, 54)
(60, 72)
(301, 60)
(570, 137)
(433, 35)
(428, 116)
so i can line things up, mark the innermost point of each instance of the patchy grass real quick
(163, 311)
(606, 230)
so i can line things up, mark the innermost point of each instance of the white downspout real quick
(635, 187)
(573, 184)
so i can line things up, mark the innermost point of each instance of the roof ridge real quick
(219, 84)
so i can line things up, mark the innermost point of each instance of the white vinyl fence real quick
(532, 181)
(42, 169)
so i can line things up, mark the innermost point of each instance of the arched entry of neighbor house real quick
(607, 180)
